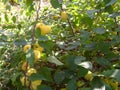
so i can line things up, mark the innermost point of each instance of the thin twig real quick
(37, 12)
(72, 28)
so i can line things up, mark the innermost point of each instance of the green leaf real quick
(37, 76)
(59, 76)
(109, 9)
(14, 19)
(99, 30)
(8, 7)
(90, 46)
(102, 61)
(97, 84)
(115, 14)
(37, 33)
(9, 26)
(87, 20)
(103, 46)
(114, 73)
(6, 18)
(30, 57)
(29, 2)
(78, 59)
(54, 60)
(70, 62)
(2, 43)
(44, 87)
(72, 85)
(86, 88)
(61, 45)
(46, 72)
(55, 3)
(15, 77)
(48, 45)
(31, 8)
(20, 42)
(72, 45)
(86, 64)
(91, 13)
(69, 73)
(82, 72)
(111, 2)
(42, 38)
(3, 37)
(5, 1)
(85, 34)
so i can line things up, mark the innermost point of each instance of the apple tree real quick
(60, 45)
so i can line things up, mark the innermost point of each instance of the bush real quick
(59, 45)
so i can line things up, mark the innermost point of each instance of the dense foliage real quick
(60, 45)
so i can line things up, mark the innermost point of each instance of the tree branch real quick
(72, 28)
(37, 12)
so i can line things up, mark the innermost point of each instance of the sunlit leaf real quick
(29, 2)
(55, 3)
(99, 30)
(111, 2)
(86, 64)
(54, 60)
(114, 73)
(14, 19)
(79, 59)
(30, 57)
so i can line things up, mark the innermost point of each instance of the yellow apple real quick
(37, 47)
(26, 47)
(45, 29)
(39, 25)
(24, 66)
(31, 71)
(35, 83)
(64, 15)
(37, 55)
(22, 79)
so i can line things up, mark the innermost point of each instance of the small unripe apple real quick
(89, 76)
(80, 83)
